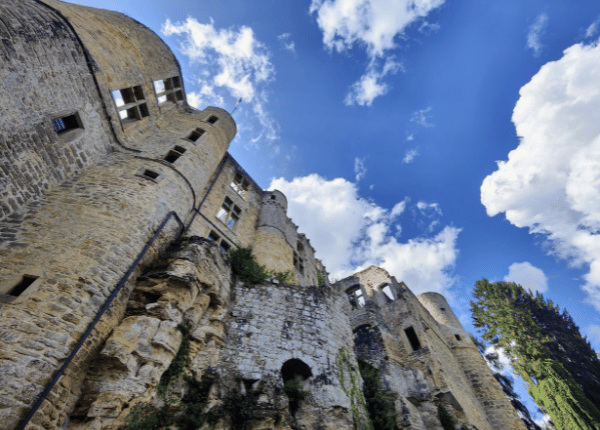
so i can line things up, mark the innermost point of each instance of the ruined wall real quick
(439, 368)
(44, 75)
(499, 411)
(306, 324)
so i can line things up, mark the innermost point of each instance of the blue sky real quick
(389, 128)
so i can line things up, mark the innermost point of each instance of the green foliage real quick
(545, 348)
(321, 276)
(246, 268)
(380, 403)
(180, 361)
(146, 416)
(356, 396)
(295, 394)
(236, 408)
(446, 420)
(193, 403)
(280, 276)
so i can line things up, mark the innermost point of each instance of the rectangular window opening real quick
(457, 336)
(196, 134)
(133, 113)
(23, 285)
(179, 95)
(412, 338)
(172, 156)
(64, 124)
(150, 174)
(179, 149)
(138, 92)
(176, 82)
(213, 236)
(168, 84)
(144, 110)
(127, 95)
(159, 87)
(212, 119)
(225, 246)
(171, 97)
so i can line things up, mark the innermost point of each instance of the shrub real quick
(295, 394)
(245, 267)
(380, 404)
(446, 420)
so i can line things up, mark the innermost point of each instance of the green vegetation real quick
(246, 269)
(545, 348)
(380, 403)
(321, 276)
(161, 262)
(356, 396)
(446, 420)
(180, 361)
(295, 394)
(236, 408)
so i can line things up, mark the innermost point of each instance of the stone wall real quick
(305, 324)
(44, 75)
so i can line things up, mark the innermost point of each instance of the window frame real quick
(172, 90)
(135, 104)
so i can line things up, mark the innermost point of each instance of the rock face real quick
(103, 166)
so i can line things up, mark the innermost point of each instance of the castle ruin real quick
(103, 167)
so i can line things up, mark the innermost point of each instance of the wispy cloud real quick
(359, 168)
(287, 43)
(551, 181)
(350, 233)
(593, 332)
(421, 118)
(234, 64)
(528, 276)
(410, 137)
(374, 25)
(427, 28)
(410, 155)
(592, 30)
(536, 31)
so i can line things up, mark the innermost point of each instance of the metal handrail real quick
(116, 291)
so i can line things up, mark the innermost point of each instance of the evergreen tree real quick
(506, 382)
(545, 348)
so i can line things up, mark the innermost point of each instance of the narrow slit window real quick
(457, 336)
(172, 156)
(195, 135)
(412, 338)
(22, 285)
(225, 246)
(66, 123)
(150, 174)
(212, 119)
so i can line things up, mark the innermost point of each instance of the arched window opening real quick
(294, 373)
(387, 292)
(300, 247)
(355, 295)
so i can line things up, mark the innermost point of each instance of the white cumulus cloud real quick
(359, 168)
(350, 233)
(374, 25)
(233, 63)
(551, 181)
(592, 30)
(536, 31)
(528, 276)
